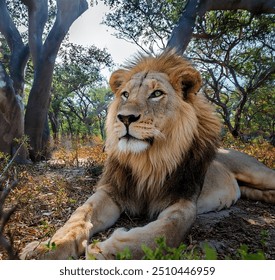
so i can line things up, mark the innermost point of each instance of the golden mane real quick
(168, 62)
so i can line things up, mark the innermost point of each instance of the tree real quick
(43, 53)
(79, 93)
(259, 115)
(83, 114)
(237, 64)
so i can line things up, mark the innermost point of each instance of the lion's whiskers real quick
(159, 135)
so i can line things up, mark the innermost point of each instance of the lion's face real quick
(142, 102)
(149, 104)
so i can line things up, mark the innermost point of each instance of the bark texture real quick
(11, 112)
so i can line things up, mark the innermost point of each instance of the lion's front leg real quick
(173, 224)
(97, 213)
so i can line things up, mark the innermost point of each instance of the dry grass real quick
(48, 192)
(260, 149)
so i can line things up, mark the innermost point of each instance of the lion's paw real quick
(67, 243)
(59, 250)
(35, 250)
(100, 251)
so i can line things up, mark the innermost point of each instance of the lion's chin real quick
(132, 145)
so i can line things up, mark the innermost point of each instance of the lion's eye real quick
(125, 95)
(156, 94)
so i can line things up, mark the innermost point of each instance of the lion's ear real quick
(187, 80)
(116, 79)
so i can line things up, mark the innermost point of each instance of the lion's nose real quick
(128, 119)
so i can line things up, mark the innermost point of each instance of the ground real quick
(247, 222)
(48, 192)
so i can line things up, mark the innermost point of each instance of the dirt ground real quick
(247, 222)
(48, 193)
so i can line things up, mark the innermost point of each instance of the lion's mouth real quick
(131, 144)
(129, 137)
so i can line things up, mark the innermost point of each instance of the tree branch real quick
(19, 52)
(182, 33)
(67, 13)
(262, 78)
(38, 16)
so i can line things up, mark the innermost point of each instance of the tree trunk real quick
(54, 120)
(11, 117)
(44, 56)
(12, 88)
(38, 106)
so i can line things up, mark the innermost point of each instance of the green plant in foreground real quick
(124, 255)
(163, 252)
(244, 254)
(90, 256)
(51, 246)
(210, 253)
(264, 237)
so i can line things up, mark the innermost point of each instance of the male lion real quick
(162, 140)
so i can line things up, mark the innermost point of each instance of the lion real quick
(163, 160)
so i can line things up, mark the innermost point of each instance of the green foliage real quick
(163, 252)
(4, 52)
(51, 246)
(244, 254)
(236, 63)
(210, 252)
(264, 237)
(4, 157)
(19, 12)
(259, 113)
(124, 255)
(90, 256)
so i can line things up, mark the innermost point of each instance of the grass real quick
(206, 252)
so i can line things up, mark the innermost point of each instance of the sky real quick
(87, 30)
